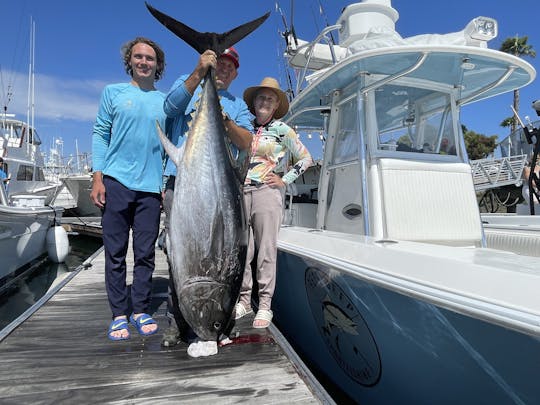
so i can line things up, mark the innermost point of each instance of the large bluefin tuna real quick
(207, 237)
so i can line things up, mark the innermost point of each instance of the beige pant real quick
(264, 212)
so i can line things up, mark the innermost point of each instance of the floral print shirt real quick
(271, 147)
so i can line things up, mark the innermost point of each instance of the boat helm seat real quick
(432, 202)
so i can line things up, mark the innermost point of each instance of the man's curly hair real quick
(160, 55)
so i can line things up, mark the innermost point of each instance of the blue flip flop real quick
(116, 325)
(142, 320)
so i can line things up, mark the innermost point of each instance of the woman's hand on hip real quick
(274, 181)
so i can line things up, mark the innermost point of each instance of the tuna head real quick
(207, 306)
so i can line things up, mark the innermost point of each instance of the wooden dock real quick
(61, 354)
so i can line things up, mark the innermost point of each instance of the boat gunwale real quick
(464, 301)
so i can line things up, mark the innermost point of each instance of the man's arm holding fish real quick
(178, 98)
(183, 90)
(240, 136)
(206, 60)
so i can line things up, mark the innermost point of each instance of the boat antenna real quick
(288, 32)
(289, 91)
(16, 59)
(293, 33)
(31, 87)
(6, 96)
(325, 16)
(286, 35)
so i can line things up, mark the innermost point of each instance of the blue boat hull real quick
(382, 347)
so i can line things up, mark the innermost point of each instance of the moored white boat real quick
(517, 232)
(23, 233)
(384, 281)
(80, 186)
(514, 233)
(75, 181)
(20, 147)
(25, 217)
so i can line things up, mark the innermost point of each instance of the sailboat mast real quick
(30, 103)
(33, 78)
(77, 154)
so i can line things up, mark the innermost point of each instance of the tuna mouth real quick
(206, 305)
(208, 334)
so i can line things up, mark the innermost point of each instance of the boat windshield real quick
(414, 120)
(15, 131)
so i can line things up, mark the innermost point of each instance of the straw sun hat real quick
(272, 84)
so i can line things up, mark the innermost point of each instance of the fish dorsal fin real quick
(174, 153)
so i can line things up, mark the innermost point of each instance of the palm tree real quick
(517, 46)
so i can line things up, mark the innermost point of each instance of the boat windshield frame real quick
(424, 113)
(16, 133)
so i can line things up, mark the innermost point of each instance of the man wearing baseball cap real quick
(180, 104)
(232, 54)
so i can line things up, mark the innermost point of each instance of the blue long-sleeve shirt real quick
(125, 143)
(180, 104)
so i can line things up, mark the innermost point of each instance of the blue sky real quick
(78, 50)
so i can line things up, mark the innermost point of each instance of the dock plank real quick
(61, 355)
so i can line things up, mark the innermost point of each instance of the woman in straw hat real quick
(262, 191)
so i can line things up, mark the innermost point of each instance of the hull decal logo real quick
(343, 328)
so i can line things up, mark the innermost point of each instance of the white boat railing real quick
(307, 51)
(492, 173)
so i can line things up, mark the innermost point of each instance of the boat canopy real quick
(472, 73)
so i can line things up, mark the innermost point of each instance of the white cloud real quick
(55, 98)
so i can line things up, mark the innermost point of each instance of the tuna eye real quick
(217, 325)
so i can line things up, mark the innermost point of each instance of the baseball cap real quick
(232, 54)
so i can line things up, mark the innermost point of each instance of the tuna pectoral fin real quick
(174, 153)
(242, 166)
(201, 41)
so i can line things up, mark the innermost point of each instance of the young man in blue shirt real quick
(127, 161)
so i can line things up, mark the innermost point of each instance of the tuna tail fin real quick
(175, 154)
(201, 41)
